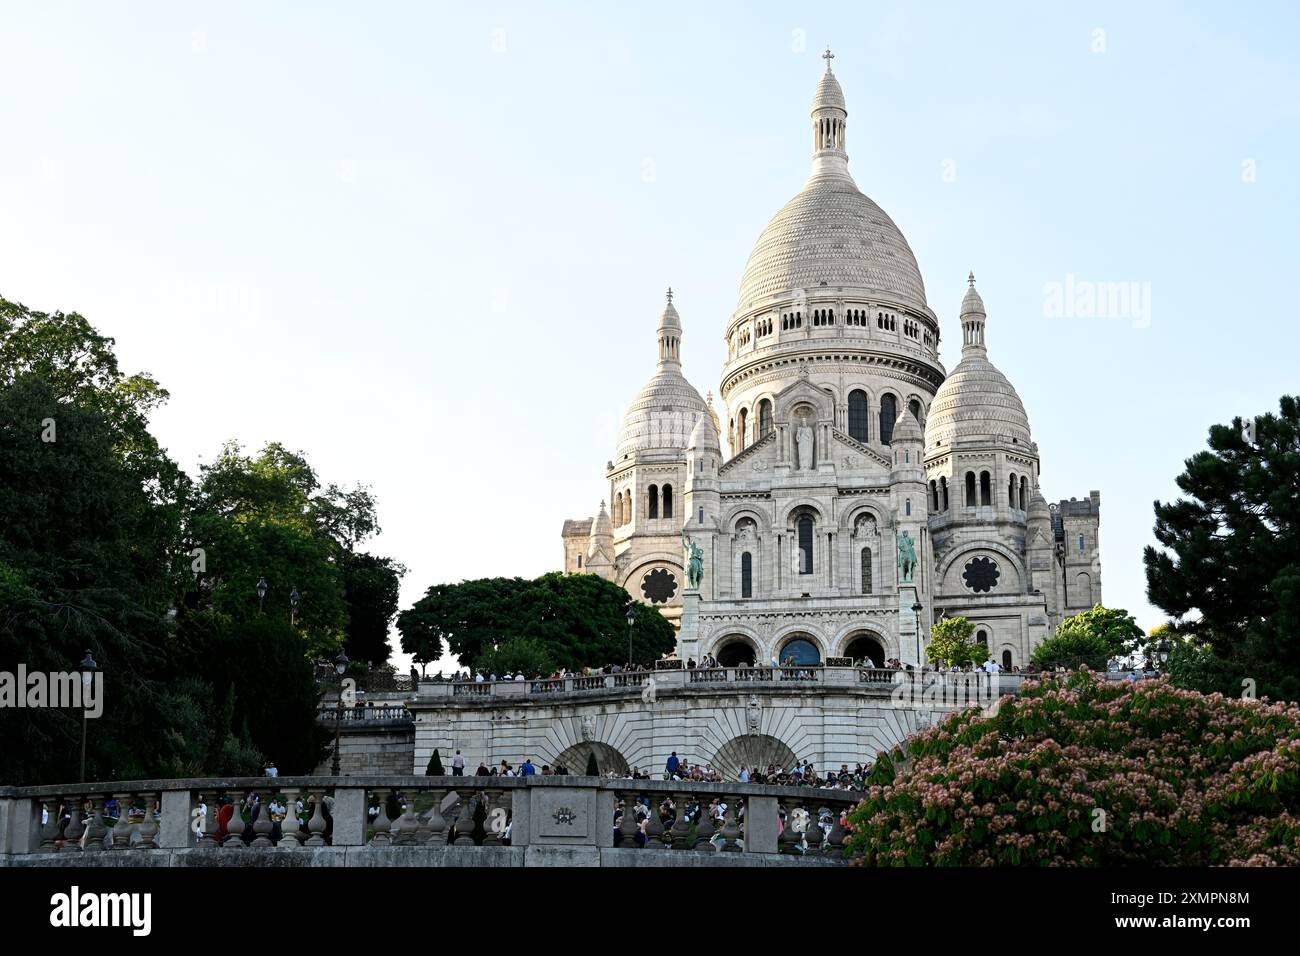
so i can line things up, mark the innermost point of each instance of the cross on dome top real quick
(670, 294)
(971, 279)
(828, 56)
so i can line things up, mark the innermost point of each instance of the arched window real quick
(888, 415)
(1081, 544)
(764, 418)
(579, 560)
(1024, 491)
(746, 575)
(970, 489)
(914, 407)
(986, 489)
(1011, 493)
(866, 570)
(668, 501)
(943, 486)
(934, 496)
(628, 514)
(908, 505)
(743, 436)
(1006, 660)
(618, 509)
(653, 491)
(800, 652)
(982, 638)
(858, 415)
(805, 528)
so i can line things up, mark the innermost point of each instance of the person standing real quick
(458, 765)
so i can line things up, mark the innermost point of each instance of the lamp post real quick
(87, 668)
(1162, 653)
(341, 668)
(261, 592)
(294, 600)
(631, 619)
(916, 609)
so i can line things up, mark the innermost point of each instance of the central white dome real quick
(830, 234)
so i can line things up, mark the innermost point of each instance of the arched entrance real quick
(799, 650)
(867, 648)
(574, 759)
(735, 651)
(752, 750)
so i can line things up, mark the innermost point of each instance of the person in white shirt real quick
(744, 775)
(478, 678)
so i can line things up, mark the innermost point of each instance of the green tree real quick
(951, 643)
(434, 769)
(370, 592)
(1090, 638)
(579, 619)
(519, 655)
(1228, 562)
(593, 768)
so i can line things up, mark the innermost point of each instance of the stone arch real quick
(735, 515)
(752, 750)
(855, 632)
(799, 632)
(812, 505)
(733, 648)
(673, 560)
(851, 516)
(574, 758)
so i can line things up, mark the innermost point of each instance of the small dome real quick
(975, 402)
(829, 93)
(1038, 509)
(663, 413)
(601, 527)
(668, 318)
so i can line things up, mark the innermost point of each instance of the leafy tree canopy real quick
(1091, 638)
(580, 620)
(952, 643)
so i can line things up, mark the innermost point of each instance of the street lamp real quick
(916, 609)
(261, 592)
(1162, 652)
(631, 619)
(87, 668)
(293, 606)
(341, 668)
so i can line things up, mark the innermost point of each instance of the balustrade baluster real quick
(263, 825)
(835, 839)
(790, 837)
(704, 825)
(408, 824)
(235, 827)
(465, 819)
(437, 822)
(76, 824)
(121, 839)
(316, 825)
(95, 829)
(654, 828)
(490, 837)
(814, 833)
(730, 828)
(627, 826)
(383, 826)
(681, 830)
(149, 825)
(289, 826)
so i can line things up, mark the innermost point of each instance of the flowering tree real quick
(1085, 771)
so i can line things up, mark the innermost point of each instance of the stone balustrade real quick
(491, 821)
(386, 713)
(880, 680)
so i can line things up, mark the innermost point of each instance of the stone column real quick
(349, 813)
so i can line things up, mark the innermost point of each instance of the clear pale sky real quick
(427, 243)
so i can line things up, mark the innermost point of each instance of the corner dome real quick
(976, 402)
(664, 412)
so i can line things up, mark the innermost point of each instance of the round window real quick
(659, 586)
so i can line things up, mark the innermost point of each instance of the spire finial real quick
(670, 295)
(828, 56)
(971, 279)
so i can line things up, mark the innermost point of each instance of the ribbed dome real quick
(830, 234)
(975, 402)
(704, 436)
(663, 414)
(829, 93)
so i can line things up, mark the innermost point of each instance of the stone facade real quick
(853, 457)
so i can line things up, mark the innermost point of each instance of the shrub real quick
(435, 766)
(1085, 771)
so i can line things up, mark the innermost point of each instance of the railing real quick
(328, 713)
(870, 680)
(293, 814)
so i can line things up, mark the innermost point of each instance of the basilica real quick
(864, 491)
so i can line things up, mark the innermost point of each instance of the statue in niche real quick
(864, 527)
(906, 557)
(803, 439)
(694, 563)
